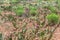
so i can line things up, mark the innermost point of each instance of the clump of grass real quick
(52, 18)
(19, 10)
(33, 11)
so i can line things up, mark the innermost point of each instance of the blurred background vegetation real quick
(33, 12)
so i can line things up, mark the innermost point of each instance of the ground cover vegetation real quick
(29, 20)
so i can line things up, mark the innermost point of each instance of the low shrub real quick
(52, 18)
(19, 11)
(33, 11)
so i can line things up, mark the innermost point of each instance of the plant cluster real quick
(19, 10)
(53, 18)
